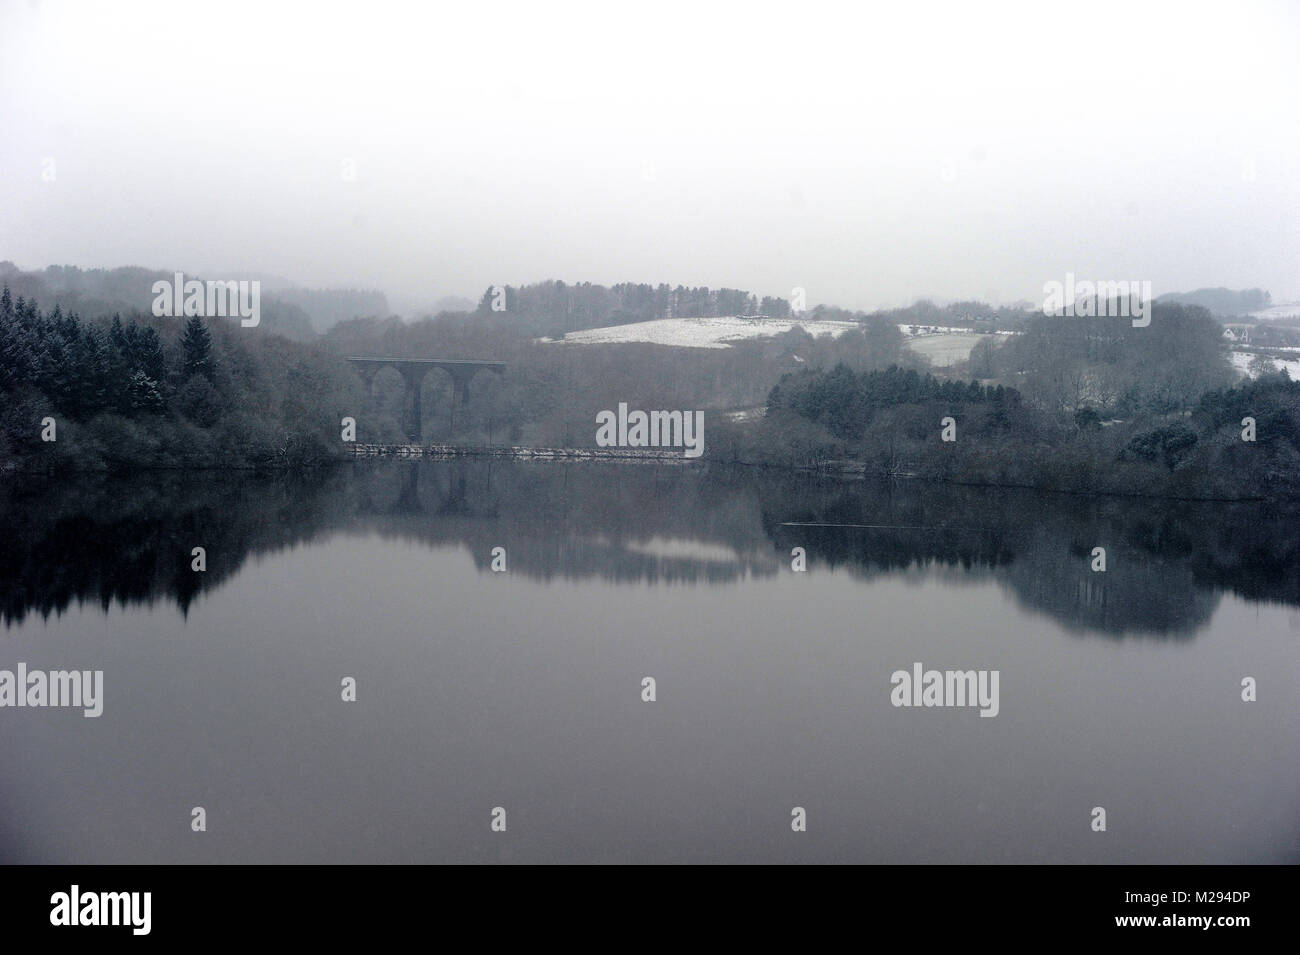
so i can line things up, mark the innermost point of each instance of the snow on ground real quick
(1291, 310)
(944, 345)
(719, 332)
(1241, 361)
(944, 350)
(911, 330)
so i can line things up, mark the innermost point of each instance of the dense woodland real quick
(1081, 404)
(890, 424)
(162, 392)
(1068, 403)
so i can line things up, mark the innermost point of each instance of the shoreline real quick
(854, 472)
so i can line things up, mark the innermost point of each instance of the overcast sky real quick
(869, 153)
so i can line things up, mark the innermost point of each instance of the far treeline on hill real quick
(1224, 302)
(1068, 403)
(296, 313)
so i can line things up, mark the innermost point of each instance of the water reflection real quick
(128, 541)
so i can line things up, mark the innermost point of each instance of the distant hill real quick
(326, 307)
(296, 313)
(553, 308)
(1223, 302)
(453, 303)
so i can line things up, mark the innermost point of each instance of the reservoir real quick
(521, 687)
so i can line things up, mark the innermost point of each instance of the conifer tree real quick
(196, 348)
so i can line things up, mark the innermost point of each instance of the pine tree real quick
(144, 393)
(15, 346)
(148, 353)
(196, 347)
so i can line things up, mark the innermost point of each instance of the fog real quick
(870, 156)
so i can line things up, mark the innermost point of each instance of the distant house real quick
(1237, 334)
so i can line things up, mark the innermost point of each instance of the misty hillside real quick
(554, 308)
(296, 313)
(327, 307)
(1222, 302)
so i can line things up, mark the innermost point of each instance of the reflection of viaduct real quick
(413, 371)
(454, 502)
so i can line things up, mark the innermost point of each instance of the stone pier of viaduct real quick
(413, 371)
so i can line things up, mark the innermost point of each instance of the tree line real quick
(161, 392)
(554, 308)
(844, 401)
(1235, 442)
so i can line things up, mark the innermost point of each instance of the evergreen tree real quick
(147, 353)
(16, 358)
(144, 394)
(196, 348)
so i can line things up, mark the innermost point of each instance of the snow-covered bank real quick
(1241, 361)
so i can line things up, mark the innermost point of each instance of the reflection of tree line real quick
(1166, 562)
(128, 540)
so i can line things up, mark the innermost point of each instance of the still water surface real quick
(522, 689)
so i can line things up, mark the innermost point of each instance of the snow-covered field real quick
(719, 332)
(944, 345)
(949, 343)
(910, 330)
(1241, 361)
(944, 350)
(1291, 310)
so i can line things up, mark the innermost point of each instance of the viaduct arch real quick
(413, 371)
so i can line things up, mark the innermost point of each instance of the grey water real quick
(522, 688)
